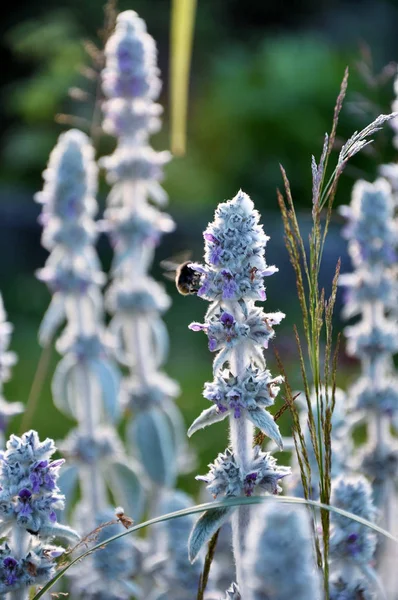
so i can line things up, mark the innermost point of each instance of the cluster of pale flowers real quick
(110, 372)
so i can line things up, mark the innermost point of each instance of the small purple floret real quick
(25, 494)
(10, 565)
(227, 320)
(10, 562)
(53, 517)
(236, 406)
(229, 288)
(212, 344)
(197, 326)
(210, 238)
(249, 484)
(263, 295)
(352, 542)
(214, 255)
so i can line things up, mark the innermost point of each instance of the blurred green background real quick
(264, 79)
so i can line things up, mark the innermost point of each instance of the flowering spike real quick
(7, 361)
(29, 497)
(242, 389)
(371, 293)
(131, 83)
(86, 381)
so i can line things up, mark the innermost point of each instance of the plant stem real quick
(37, 386)
(204, 578)
(20, 539)
(241, 433)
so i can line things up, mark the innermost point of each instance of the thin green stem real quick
(37, 386)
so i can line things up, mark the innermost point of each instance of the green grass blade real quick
(208, 506)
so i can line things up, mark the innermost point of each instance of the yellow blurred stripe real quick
(182, 27)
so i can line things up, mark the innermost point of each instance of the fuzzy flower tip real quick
(280, 542)
(70, 179)
(371, 229)
(131, 70)
(351, 541)
(234, 253)
(29, 499)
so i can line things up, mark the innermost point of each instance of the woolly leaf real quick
(160, 340)
(52, 319)
(59, 531)
(67, 483)
(126, 488)
(257, 356)
(207, 417)
(61, 386)
(265, 421)
(220, 359)
(150, 433)
(185, 455)
(204, 528)
(109, 380)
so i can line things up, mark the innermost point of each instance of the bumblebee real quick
(186, 279)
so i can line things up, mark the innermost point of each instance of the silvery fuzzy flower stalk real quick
(86, 382)
(353, 545)
(7, 361)
(238, 330)
(134, 224)
(280, 559)
(29, 499)
(177, 579)
(372, 289)
(371, 292)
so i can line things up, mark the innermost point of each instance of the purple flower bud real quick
(262, 295)
(10, 565)
(210, 238)
(270, 270)
(227, 319)
(10, 562)
(249, 484)
(24, 495)
(53, 517)
(24, 508)
(197, 326)
(215, 255)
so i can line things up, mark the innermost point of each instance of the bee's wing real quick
(172, 263)
(170, 275)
